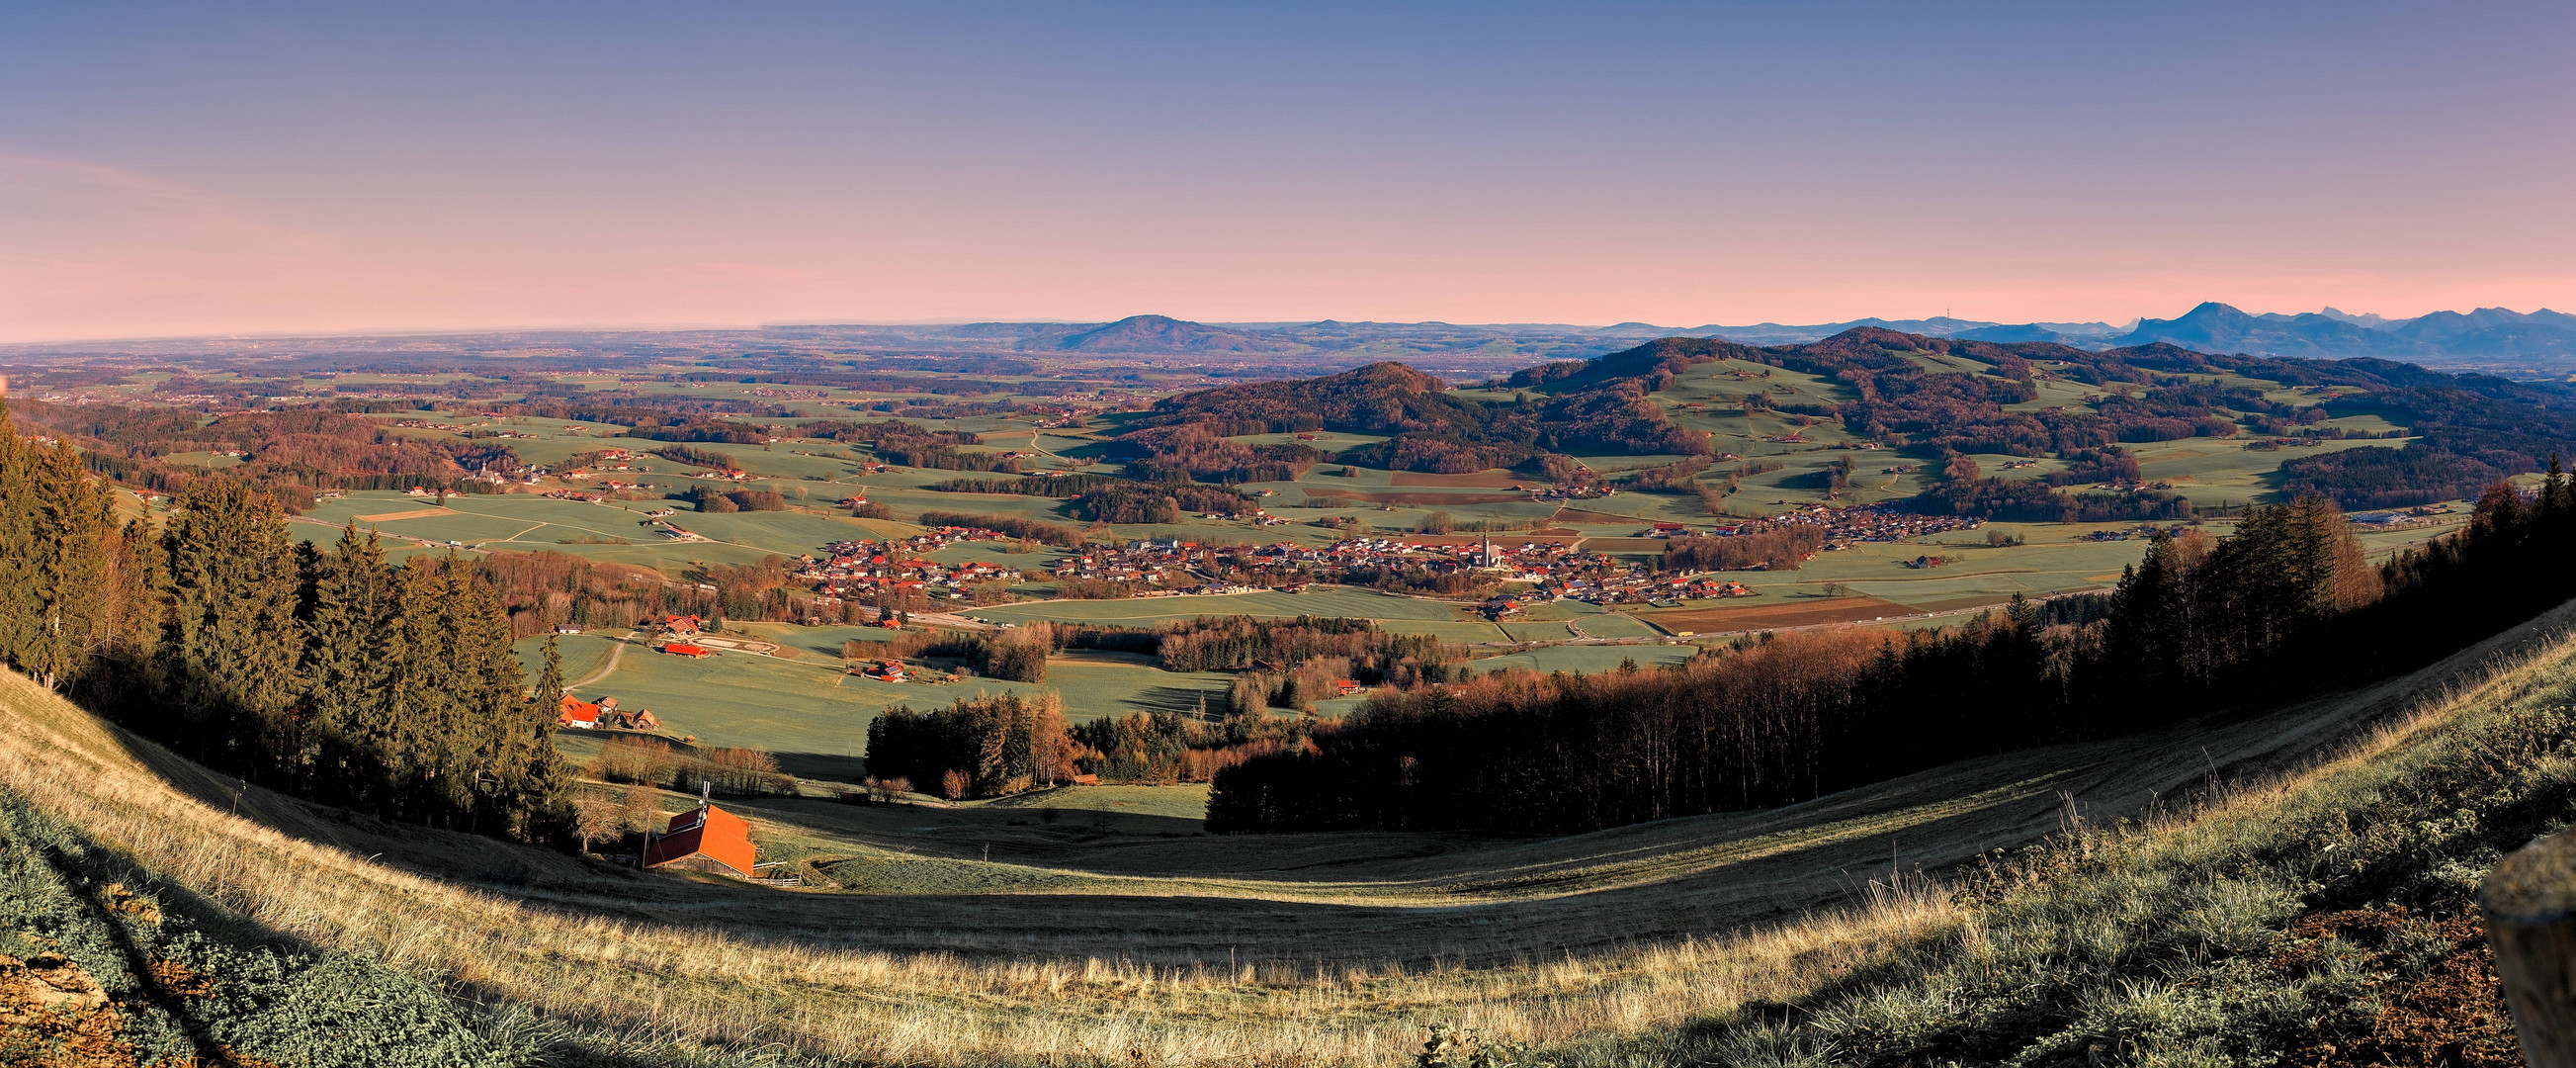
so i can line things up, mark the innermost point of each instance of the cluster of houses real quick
(679, 638)
(1637, 586)
(1170, 566)
(863, 569)
(898, 671)
(1863, 522)
(1145, 562)
(424, 424)
(578, 714)
(2143, 531)
(1627, 589)
(1557, 568)
(1584, 492)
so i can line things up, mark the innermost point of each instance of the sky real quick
(215, 169)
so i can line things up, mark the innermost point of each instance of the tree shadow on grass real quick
(827, 767)
(1186, 700)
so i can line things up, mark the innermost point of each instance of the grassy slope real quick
(2326, 915)
(102, 965)
(993, 934)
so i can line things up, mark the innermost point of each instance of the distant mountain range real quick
(2487, 334)
(2494, 338)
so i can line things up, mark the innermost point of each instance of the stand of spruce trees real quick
(330, 674)
(2286, 608)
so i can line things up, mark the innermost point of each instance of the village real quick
(1883, 522)
(868, 569)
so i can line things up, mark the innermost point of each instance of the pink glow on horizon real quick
(103, 252)
(218, 170)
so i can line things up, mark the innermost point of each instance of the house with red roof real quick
(707, 839)
(577, 713)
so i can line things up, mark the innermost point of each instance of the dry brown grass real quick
(697, 982)
(1207, 967)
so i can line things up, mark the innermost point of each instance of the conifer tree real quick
(550, 682)
(126, 670)
(348, 607)
(232, 642)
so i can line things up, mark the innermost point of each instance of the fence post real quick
(2530, 902)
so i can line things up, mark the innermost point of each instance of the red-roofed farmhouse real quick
(705, 838)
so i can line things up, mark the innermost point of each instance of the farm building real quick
(686, 649)
(578, 714)
(641, 719)
(707, 839)
(683, 625)
(1346, 687)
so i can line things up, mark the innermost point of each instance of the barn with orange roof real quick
(705, 838)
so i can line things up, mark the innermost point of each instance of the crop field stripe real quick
(1834, 610)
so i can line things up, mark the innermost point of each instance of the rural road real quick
(614, 655)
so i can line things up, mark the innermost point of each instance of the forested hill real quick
(1379, 398)
(1910, 391)
(1431, 430)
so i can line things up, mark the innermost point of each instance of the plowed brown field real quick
(1754, 613)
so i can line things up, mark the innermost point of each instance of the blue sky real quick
(204, 168)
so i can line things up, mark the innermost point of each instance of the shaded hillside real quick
(1430, 429)
(1381, 398)
(2472, 428)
